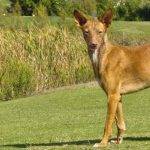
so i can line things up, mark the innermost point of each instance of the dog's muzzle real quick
(93, 47)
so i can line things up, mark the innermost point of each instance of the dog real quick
(118, 69)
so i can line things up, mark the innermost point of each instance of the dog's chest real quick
(96, 67)
(95, 57)
(99, 63)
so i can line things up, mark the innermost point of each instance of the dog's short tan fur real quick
(118, 69)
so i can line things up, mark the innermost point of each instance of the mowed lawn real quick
(24, 22)
(132, 27)
(71, 118)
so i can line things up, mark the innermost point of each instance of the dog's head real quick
(94, 30)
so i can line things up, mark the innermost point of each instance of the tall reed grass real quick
(40, 58)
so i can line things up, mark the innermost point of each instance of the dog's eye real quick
(100, 32)
(86, 32)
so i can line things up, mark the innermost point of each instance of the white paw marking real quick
(96, 145)
(117, 142)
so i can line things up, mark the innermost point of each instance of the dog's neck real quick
(99, 55)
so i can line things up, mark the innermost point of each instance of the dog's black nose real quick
(93, 46)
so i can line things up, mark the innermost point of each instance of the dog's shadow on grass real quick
(81, 142)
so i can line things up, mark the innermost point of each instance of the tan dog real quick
(119, 70)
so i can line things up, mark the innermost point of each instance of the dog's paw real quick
(117, 141)
(98, 145)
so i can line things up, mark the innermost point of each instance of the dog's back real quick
(135, 68)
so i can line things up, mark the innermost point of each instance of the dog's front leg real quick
(113, 99)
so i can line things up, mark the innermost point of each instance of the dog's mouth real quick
(92, 50)
(93, 47)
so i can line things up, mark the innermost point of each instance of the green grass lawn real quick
(132, 27)
(71, 118)
(23, 22)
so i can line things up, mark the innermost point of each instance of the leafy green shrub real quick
(133, 10)
(144, 12)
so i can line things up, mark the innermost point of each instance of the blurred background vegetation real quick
(41, 47)
(124, 9)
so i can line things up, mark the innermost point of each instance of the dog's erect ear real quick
(107, 17)
(80, 19)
